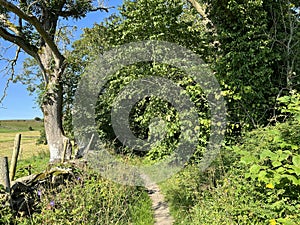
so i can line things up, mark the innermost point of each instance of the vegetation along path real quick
(160, 207)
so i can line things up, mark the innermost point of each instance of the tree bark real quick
(52, 110)
(52, 105)
(53, 125)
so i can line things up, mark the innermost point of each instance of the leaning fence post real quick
(4, 178)
(14, 158)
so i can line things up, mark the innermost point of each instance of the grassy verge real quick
(141, 211)
(35, 164)
(89, 199)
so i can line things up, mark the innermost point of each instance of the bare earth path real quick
(160, 207)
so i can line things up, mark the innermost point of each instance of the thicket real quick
(254, 182)
(253, 48)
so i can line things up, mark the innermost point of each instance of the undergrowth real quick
(255, 182)
(87, 199)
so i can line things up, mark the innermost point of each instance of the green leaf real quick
(262, 176)
(294, 169)
(296, 161)
(292, 178)
(254, 169)
(267, 154)
(276, 163)
(281, 170)
(248, 159)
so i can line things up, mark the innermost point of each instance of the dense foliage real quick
(138, 21)
(258, 55)
(254, 182)
(253, 47)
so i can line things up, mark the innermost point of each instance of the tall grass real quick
(88, 198)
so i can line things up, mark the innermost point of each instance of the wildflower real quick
(39, 193)
(272, 222)
(52, 203)
(271, 186)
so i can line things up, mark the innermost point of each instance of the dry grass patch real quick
(28, 144)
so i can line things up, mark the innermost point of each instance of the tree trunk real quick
(53, 126)
(52, 109)
(52, 106)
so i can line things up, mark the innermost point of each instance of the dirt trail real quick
(160, 207)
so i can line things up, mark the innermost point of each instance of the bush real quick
(255, 182)
(42, 140)
(230, 192)
(38, 119)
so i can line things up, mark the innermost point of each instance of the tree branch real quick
(13, 63)
(9, 25)
(29, 49)
(101, 9)
(197, 6)
(74, 12)
(38, 26)
(200, 10)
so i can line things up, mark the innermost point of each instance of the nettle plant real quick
(274, 159)
(271, 158)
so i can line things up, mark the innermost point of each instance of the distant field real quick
(11, 126)
(30, 131)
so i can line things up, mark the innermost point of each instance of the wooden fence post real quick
(14, 158)
(4, 177)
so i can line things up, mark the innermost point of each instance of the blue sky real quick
(19, 104)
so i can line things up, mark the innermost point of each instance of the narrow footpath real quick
(160, 208)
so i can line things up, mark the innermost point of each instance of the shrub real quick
(37, 119)
(42, 138)
(87, 198)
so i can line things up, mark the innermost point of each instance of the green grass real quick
(88, 199)
(35, 164)
(12, 126)
(141, 211)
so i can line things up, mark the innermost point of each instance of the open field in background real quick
(30, 131)
(12, 126)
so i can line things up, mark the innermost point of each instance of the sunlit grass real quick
(11, 126)
(8, 131)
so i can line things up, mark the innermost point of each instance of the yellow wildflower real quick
(271, 186)
(272, 222)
